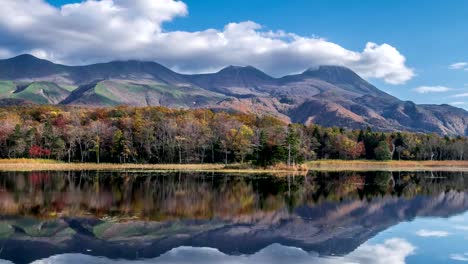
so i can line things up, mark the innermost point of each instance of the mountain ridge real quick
(327, 95)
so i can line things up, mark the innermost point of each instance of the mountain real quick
(326, 95)
(105, 84)
(234, 80)
(28, 67)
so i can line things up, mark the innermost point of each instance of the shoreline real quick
(27, 165)
(370, 165)
(320, 165)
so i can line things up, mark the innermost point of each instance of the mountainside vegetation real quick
(161, 135)
(325, 95)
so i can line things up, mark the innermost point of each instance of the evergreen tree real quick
(382, 151)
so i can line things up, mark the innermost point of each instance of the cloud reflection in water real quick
(394, 251)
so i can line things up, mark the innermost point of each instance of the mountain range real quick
(325, 95)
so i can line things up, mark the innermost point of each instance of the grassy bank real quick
(367, 165)
(321, 165)
(52, 165)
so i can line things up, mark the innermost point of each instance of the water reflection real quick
(136, 215)
(392, 251)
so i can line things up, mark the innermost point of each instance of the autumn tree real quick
(162, 135)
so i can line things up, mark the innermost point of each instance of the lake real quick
(152, 217)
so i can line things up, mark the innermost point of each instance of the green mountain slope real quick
(42, 93)
(6, 89)
(118, 92)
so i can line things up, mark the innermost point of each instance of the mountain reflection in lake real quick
(76, 217)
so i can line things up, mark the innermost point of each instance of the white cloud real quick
(432, 89)
(96, 31)
(431, 233)
(458, 103)
(459, 257)
(4, 53)
(392, 251)
(458, 66)
(460, 95)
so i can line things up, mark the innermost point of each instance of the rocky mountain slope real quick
(326, 95)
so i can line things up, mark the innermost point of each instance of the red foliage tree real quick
(38, 152)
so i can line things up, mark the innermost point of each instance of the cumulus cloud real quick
(393, 251)
(432, 89)
(431, 233)
(96, 31)
(458, 66)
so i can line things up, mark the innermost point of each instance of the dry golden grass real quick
(367, 165)
(51, 165)
(28, 161)
(284, 166)
(321, 165)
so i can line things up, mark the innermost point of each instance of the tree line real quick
(161, 135)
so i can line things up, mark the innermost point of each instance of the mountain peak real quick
(27, 66)
(245, 71)
(330, 69)
(28, 58)
(134, 62)
(234, 68)
(334, 74)
(24, 56)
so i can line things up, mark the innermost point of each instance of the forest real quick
(160, 135)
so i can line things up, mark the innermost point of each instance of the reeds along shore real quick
(328, 165)
(368, 165)
(52, 165)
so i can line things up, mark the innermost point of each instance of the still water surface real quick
(142, 217)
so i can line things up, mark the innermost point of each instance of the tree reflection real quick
(166, 196)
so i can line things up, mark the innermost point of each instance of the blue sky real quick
(431, 35)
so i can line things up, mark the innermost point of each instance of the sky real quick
(414, 50)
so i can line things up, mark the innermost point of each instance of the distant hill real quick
(326, 95)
